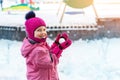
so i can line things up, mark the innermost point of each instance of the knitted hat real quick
(31, 24)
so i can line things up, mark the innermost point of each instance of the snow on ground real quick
(83, 60)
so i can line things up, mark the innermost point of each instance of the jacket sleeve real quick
(55, 59)
(42, 60)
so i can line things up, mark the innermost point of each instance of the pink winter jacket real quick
(40, 66)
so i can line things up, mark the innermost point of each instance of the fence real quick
(106, 27)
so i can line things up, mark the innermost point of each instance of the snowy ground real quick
(83, 60)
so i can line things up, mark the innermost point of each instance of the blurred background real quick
(93, 26)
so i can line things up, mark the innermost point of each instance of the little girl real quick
(41, 60)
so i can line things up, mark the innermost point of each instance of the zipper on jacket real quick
(51, 57)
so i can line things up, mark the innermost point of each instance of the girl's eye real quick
(39, 30)
(44, 29)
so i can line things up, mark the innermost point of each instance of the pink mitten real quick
(57, 47)
(65, 44)
(64, 35)
(56, 42)
(59, 36)
(57, 51)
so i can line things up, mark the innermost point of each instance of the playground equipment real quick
(79, 4)
(105, 27)
(30, 2)
(75, 31)
(22, 6)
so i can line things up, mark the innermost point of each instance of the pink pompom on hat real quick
(31, 24)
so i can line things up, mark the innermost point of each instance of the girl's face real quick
(40, 32)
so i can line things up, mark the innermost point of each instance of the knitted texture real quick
(31, 24)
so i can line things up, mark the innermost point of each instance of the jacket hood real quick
(26, 48)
